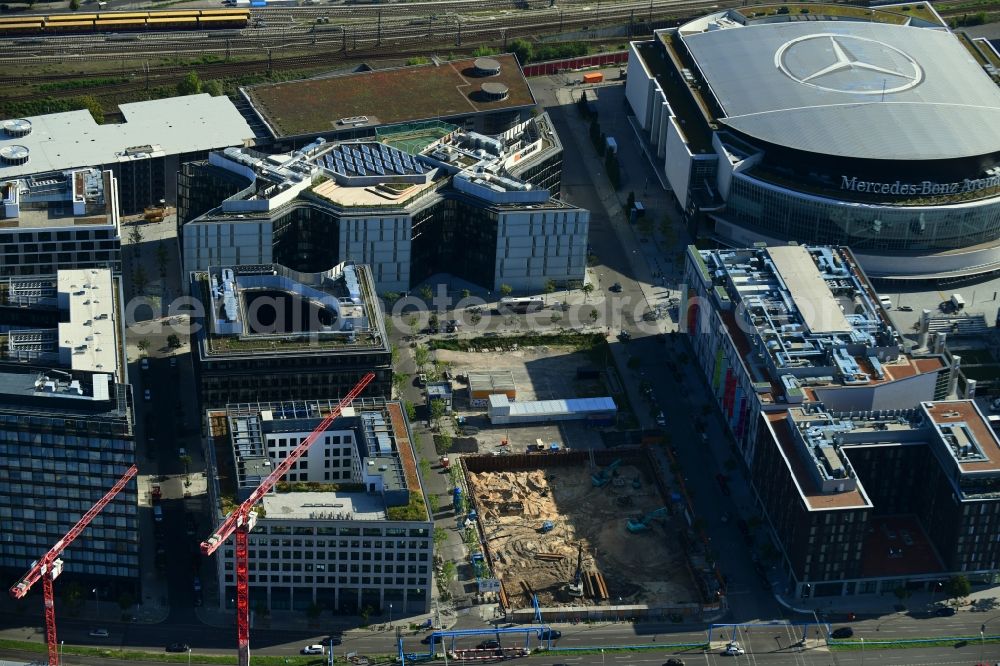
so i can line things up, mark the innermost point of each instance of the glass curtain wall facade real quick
(781, 212)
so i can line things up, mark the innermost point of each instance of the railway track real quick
(355, 36)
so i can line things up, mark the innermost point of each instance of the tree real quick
(437, 411)
(72, 594)
(143, 345)
(466, 293)
(440, 536)
(434, 503)
(173, 341)
(506, 290)
(161, 258)
(74, 5)
(523, 50)
(189, 85)
(550, 286)
(213, 88)
(485, 51)
(426, 293)
(125, 601)
(958, 587)
(449, 571)
(186, 461)
(587, 289)
(391, 297)
(613, 169)
(411, 411)
(140, 280)
(135, 234)
(421, 356)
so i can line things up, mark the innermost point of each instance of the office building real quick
(65, 219)
(773, 327)
(66, 430)
(867, 502)
(270, 333)
(143, 152)
(421, 200)
(348, 528)
(871, 128)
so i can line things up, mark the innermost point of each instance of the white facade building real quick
(344, 542)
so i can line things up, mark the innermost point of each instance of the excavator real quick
(602, 478)
(641, 523)
(575, 589)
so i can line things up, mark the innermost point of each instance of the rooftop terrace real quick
(261, 309)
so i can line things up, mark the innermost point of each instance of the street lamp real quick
(390, 616)
(61, 643)
(98, 601)
(189, 656)
(602, 656)
(862, 651)
(982, 640)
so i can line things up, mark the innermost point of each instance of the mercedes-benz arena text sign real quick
(923, 188)
(847, 64)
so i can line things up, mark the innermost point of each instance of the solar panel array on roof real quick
(369, 159)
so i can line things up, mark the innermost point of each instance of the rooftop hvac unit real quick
(14, 155)
(17, 127)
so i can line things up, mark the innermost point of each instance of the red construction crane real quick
(50, 566)
(243, 519)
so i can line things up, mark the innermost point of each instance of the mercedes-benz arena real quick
(823, 124)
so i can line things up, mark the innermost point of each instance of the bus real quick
(520, 304)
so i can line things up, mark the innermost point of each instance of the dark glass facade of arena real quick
(795, 195)
(785, 213)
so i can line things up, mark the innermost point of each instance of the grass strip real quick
(168, 657)
(909, 644)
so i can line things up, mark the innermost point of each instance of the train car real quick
(183, 14)
(119, 25)
(20, 29)
(222, 22)
(22, 19)
(69, 18)
(172, 23)
(225, 12)
(117, 16)
(60, 27)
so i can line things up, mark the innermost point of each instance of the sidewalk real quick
(886, 604)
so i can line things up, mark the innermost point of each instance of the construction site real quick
(582, 529)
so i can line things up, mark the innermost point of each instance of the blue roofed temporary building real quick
(599, 411)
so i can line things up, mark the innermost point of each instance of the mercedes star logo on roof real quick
(847, 64)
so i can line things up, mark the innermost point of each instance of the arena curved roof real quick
(851, 88)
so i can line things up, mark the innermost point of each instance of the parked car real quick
(99, 633)
(489, 645)
(661, 420)
(674, 662)
(312, 649)
(616, 287)
(546, 634)
(944, 611)
(178, 647)
(842, 632)
(197, 584)
(336, 640)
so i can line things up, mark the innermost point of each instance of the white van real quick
(885, 301)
